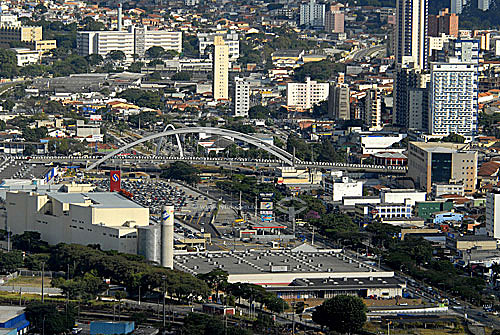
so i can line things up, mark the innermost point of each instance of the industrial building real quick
(279, 267)
(13, 320)
(103, 218)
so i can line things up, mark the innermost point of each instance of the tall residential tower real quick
(220, 69)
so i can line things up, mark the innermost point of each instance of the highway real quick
(153, 160)
(359, 55)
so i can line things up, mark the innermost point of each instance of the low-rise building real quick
(468, 242)
(293, 176)
(439, 189)
(425, 209)
(338, 188)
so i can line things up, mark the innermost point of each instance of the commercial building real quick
(440, 189)
(445, 22)
(312, 14)
(374, 143)
(411, 50)
(402, 195)
(103, 218)
(411, 98)
(425, 209)
(304, 96)
(220, 69)
(453, 99)
(372, 115)
(230, 39)
(241, 101)
(338, 188)
(370, 212)
(135, 41)
(339, 102)
(468, 242)
(334, 19)
(456, 6)
(279, 267)
(13, 321)
(493, 214)
(289, 175)
(389, 158)
(433, 162)
(446, 216)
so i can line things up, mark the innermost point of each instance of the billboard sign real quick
(114, 181)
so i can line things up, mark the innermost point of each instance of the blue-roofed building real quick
(447, 216)
(13, 321)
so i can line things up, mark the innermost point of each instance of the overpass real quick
(151, 160)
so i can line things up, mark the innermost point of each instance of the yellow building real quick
(20, 34)
(45, 45)
(220, 69)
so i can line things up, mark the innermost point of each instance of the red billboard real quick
(114, 181)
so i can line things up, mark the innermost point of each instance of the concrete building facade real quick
(432, 162)
(312, 14)
(103, 218)
(305, 95)
(241, 99)
(232, 40)
(339, 102)
(220, 69)
(493, 214)
(372, 115)
(134, 41)
(453, 99)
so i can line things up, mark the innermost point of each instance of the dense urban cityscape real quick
(249, 167)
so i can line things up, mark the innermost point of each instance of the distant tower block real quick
(120, 17)
(167, 237)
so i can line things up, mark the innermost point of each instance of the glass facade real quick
(441, 168)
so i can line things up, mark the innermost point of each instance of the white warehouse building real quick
(103, 218)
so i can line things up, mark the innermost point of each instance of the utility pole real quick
(164, 293)
(312, 238)
(43, 270)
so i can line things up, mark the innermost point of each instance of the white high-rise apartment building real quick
(232, 40)
(483, 5)
(134, 41)
(241, 97)
(493, 214)
(373, 110)
(220, 69)
(312, 14)
(456, 6)
(306, 95)
(453, 99)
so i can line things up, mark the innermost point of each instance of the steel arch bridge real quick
(179, 144)
(284, 155)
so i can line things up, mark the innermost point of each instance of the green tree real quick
(46, 318)
(343, 313)
(216, 278)
(181, 171)
(94, 59)
(155, 52)
(10, 261)
(8, 64)
(258, 112)
(136, 67)
(116, 55)
(181, 76)
(8, 105)
(322, 70)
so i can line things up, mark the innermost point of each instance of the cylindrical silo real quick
(148, 243)
(167, 237)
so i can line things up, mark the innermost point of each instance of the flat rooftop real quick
(254, 265)
(98, 199)
(9, 312)
(340, 283)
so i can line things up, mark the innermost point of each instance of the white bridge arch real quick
(284, 155)
(179, 144)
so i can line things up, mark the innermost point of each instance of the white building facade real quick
(134, 41)
(306, 95)
(312, 14)
(453, 99)
(493, 214)
(103, 218)
(241, 97)
(232, 41)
